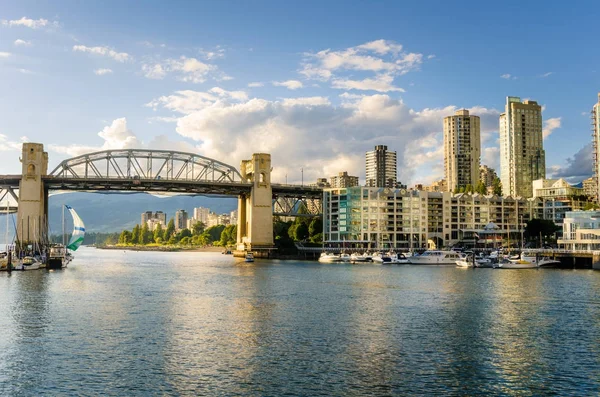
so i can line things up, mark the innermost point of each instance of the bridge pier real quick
(32, 215)
(255, 211)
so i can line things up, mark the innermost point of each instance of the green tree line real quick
(199, 235)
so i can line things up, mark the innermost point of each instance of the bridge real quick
(158, 171)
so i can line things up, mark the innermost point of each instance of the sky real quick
(314, 83)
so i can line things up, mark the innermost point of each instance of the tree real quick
(198, 228)
(215, 232)
(169, 230)
(469, 188)
(143, 235)
(158, 233)
(135, 234)
(497, 187)
(315, 227)
(125, 237)
(590, 206)
(480, 188)
(317, 238)
(301, 232)
(540, 227)
(228, 235)
(185, 241)
(292, 231)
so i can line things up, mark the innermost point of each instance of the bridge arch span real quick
(147, 164)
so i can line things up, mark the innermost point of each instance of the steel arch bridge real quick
(147, 164)
(162, 171)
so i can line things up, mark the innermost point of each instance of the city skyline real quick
(84, 78)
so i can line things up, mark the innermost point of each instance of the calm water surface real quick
(138, 323)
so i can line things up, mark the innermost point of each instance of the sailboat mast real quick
(6, 227)
(63, 225)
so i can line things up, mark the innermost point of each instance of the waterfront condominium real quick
(381, 169)
(522, 156)
(596, 143)
(462, 150)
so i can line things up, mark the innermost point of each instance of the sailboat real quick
(59, 253)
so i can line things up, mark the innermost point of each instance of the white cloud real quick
(289, 128)
(289, 84)
(188, 69)
(156, 71)
(381, 83)
(550, 125)
(255, 84)
(5, 54)
(490, 156)
(188, 101)
(22, 43)
(104, 51)
(101, 72)
(218, 52)
(379, 56)
(307, 101)
(431, 56)
(235, 95)
(381, 47)
(115, 136)
(25, 71)
(7, 145)
(547, 74)
(507, 76)
(29, 23)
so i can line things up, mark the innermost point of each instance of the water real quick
(139, 323)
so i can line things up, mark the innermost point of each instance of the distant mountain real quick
(115, 212)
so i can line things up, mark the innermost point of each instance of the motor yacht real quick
(327, 257)
(381, 257)
(358, 258)
(436, 257)
(398, 259)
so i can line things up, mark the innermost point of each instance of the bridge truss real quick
(161, 171)
(147, 164)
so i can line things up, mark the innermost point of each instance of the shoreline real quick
(160, 248)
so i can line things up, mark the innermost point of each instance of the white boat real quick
(249, 257)
(548, 262)
(327, 257)
(345, 258)
(379, 257)
(485, 262)
(27, 263)
(516, 264)
(436, 257)
(398, 259)
(364, 257)
(464, 263)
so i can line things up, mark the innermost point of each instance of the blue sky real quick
(316, 84)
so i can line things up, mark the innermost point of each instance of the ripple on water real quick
(136, 323)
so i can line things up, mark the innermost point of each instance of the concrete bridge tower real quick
(255, 211)
(32, 223)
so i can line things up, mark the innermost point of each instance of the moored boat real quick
(249, 257)
(27, 263)
(327, 257)
(436, 257)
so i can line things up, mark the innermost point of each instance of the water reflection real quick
(189, 324)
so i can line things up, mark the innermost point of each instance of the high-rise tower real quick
(462, 150)
(596, 143)
(381, 169)
(522, 156)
